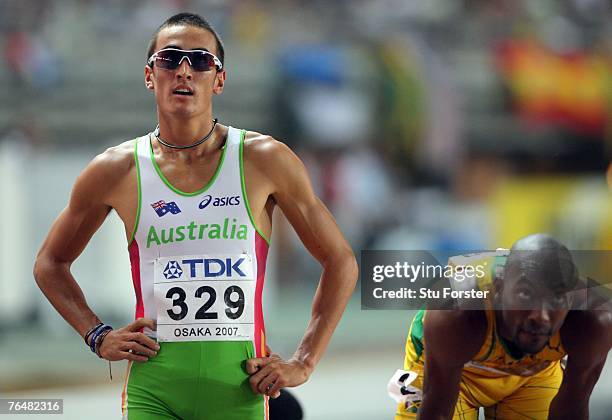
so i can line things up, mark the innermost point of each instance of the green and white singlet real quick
(198, 263)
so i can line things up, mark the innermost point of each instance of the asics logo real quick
(219, 201)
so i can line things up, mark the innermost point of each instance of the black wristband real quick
(100, 339)
(88, 333)
(95, 336)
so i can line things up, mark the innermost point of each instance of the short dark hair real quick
(187, 19)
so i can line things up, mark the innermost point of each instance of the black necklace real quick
(174, 146)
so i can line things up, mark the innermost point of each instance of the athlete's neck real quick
(186, 132)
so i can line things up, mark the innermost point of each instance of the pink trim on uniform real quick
(261, 253)
(135, 263)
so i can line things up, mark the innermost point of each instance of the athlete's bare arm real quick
(289, 187)
(587, 338)
(591, 294)
(92, 198)
(453, 337)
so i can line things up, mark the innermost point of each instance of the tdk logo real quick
(173, 270)
(219, 201)
(214, 267)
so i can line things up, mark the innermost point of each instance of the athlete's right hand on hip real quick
(128, 343)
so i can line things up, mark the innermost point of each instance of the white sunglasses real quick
(171, 59)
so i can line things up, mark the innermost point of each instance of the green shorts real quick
(204, 380)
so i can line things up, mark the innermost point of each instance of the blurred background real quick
(425, 125)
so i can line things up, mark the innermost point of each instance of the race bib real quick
(204, 297)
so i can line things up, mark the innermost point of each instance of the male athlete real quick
(507, 357)
(196, 198)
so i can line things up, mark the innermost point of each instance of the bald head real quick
(536, 242)
(542, 258)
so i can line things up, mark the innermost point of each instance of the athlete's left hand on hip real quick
(270, 374)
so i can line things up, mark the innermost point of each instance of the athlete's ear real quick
(148, 76)
(219, 82)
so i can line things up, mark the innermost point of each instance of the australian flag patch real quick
(161, 208)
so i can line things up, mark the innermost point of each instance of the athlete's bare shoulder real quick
(116, 158)
(271, 163)
(263, 149)
(107, 171)
(270, 156)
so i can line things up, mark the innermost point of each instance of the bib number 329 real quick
(233, 298)
(205, 298)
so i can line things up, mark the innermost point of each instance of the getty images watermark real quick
(470, 279)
